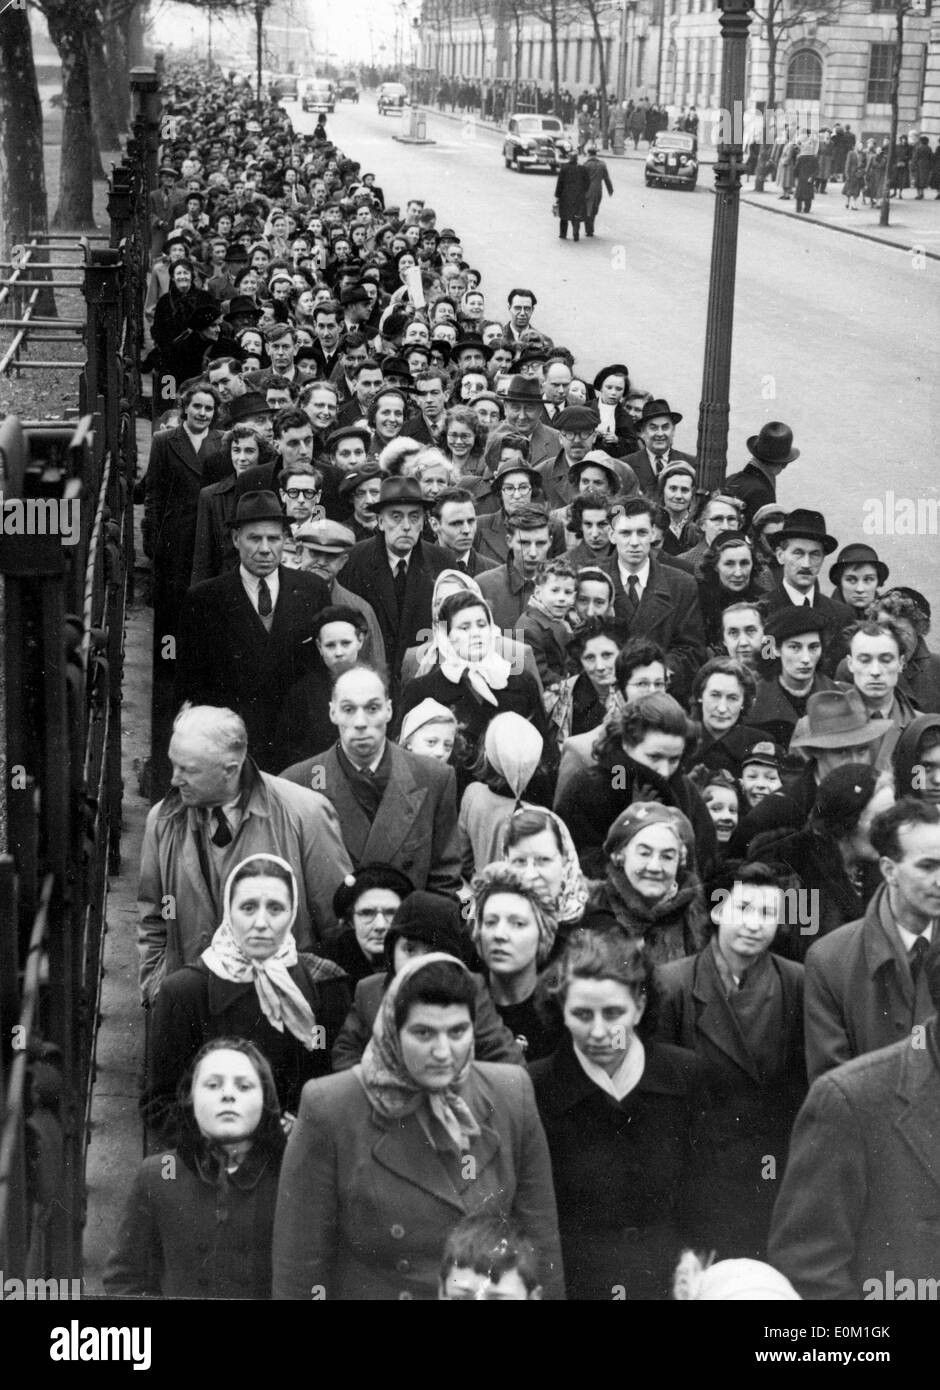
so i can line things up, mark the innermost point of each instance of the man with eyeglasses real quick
(394, 807)
(299, 490)
(577, 428)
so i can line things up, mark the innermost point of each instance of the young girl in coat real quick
(199, 1219)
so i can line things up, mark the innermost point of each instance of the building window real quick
(578, 51)
(542, 46)
(804, 76)
(880, 64)
(884, 6)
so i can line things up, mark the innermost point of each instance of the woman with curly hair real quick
(727, 569)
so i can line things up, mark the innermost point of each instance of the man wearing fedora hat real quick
(243, 636)
(396, 569)
(522, 398)
(756, 484)
(656, 428)
(801, 546)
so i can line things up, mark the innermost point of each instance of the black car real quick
(348, 90)
(392, 97)
(535, 142)
(673, 159)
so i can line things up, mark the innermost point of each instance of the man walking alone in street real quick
(570, 191)
(598, 178)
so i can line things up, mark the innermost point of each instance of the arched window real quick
(804, 76)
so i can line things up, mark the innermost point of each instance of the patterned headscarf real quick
(574, 891)
(392, 1090)
(282, 1003)
(502, 877)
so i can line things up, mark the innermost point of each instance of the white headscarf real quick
(281, 1001)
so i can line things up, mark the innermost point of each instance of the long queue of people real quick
(547, 885)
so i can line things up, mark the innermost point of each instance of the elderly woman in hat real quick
(651, 888)
(857, 576)
(365, 904)
(425, 922)
(250, 982)
(739, 1007)
(386, 1157)
(623, 1116)
(514, 928)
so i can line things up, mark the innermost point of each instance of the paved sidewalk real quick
(914, 226)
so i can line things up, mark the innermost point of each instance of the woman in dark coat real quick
(199, 1219)
(171, 331)
(623, 1117)
(250, 982)
(739, 1007)
(729, 575)
(474, 680)
(571, 188)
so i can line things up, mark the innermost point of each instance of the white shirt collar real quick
(797, 596)
(251, 582)
(627, 1076)
(908, 937)
(642, 575)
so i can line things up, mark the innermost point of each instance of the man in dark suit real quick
(395, 571)
(865, 985)
(429, 391)
(656, 428)
(245, 637)
(656, 601)
(393, 807)
(756, 484)
(327, 325)
(856, 1218)
(525, 411)
(801, 546)
(454, 523)
(282, 348)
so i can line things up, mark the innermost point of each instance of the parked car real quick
(535, 142)
(393, 96)
(284, 87)
(349, 89)
(319, 95)
(673, 159)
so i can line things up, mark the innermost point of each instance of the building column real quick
(929, 123)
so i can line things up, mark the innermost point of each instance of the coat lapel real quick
(400, 808)
(714, 1016)
(354, 823)
(178, 441)
(244, 620)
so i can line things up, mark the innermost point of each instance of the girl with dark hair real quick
(728, 576)
(722, 693)
(250, 982)
(385, 1158)
(199, 1219)
(622, 1114)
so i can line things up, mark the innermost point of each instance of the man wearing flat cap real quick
(756, 484)
(324, 549)
(801, 546)
(577, 430)
(395, 571)
(243, 637)
(657, 429)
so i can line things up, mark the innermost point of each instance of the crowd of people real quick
(544, 888)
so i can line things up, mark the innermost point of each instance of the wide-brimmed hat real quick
(805, 525)
(257, 506)
(524, 389)
(357, 476)
(614, 369)
(774, 444)
(857, 554)
(247, 406)
(401, 490)
(837, 719)
(653, 409)
(470, 340)
(596, 458)
(242, 306)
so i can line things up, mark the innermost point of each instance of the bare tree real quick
(69, 24)
(598, 11)
(23, 203)
(557, 15)
(775, 21)
(902, 8)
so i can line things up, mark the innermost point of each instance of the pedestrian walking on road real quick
(598, 179)
(920, 165)
(570, 193)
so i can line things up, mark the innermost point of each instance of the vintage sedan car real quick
(284, 87)
(673, 159)
(348, 89)
(319, 95)
(535, 142)
(393, 96)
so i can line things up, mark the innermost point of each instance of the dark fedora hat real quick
(653, 409)
(774, 444)
(857, 554)
(247, 406)
(524, 389)
(805, 525)
(242, 306)
(837, 719)
(614, 369)
(257, 506)
(396, 491)
(471, 341)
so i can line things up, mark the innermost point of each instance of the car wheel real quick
(507, 161)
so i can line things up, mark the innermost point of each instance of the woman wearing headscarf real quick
(511, 753)
(916, 759)
(538, 843)
(250, 982)
(472, 678)
(419, 661)
(425, 922)
(650, 890)
(386, 1158)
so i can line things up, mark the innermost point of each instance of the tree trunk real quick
(116, 25)
(556, 81)
(601, 70)
(68, 24)
(760, 173)
(895, 104)
(516, 65)
(23, 204)
(100, 83)
(133, 26)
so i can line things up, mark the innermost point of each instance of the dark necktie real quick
(915, 958)
(807, 602)
(633, 598)
(222, 834)
(264, 599)
(401, 580)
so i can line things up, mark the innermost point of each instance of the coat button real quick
(403, 1266)
(398, 1232)
(405, 1296)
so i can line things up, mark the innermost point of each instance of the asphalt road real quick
(836, 335)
